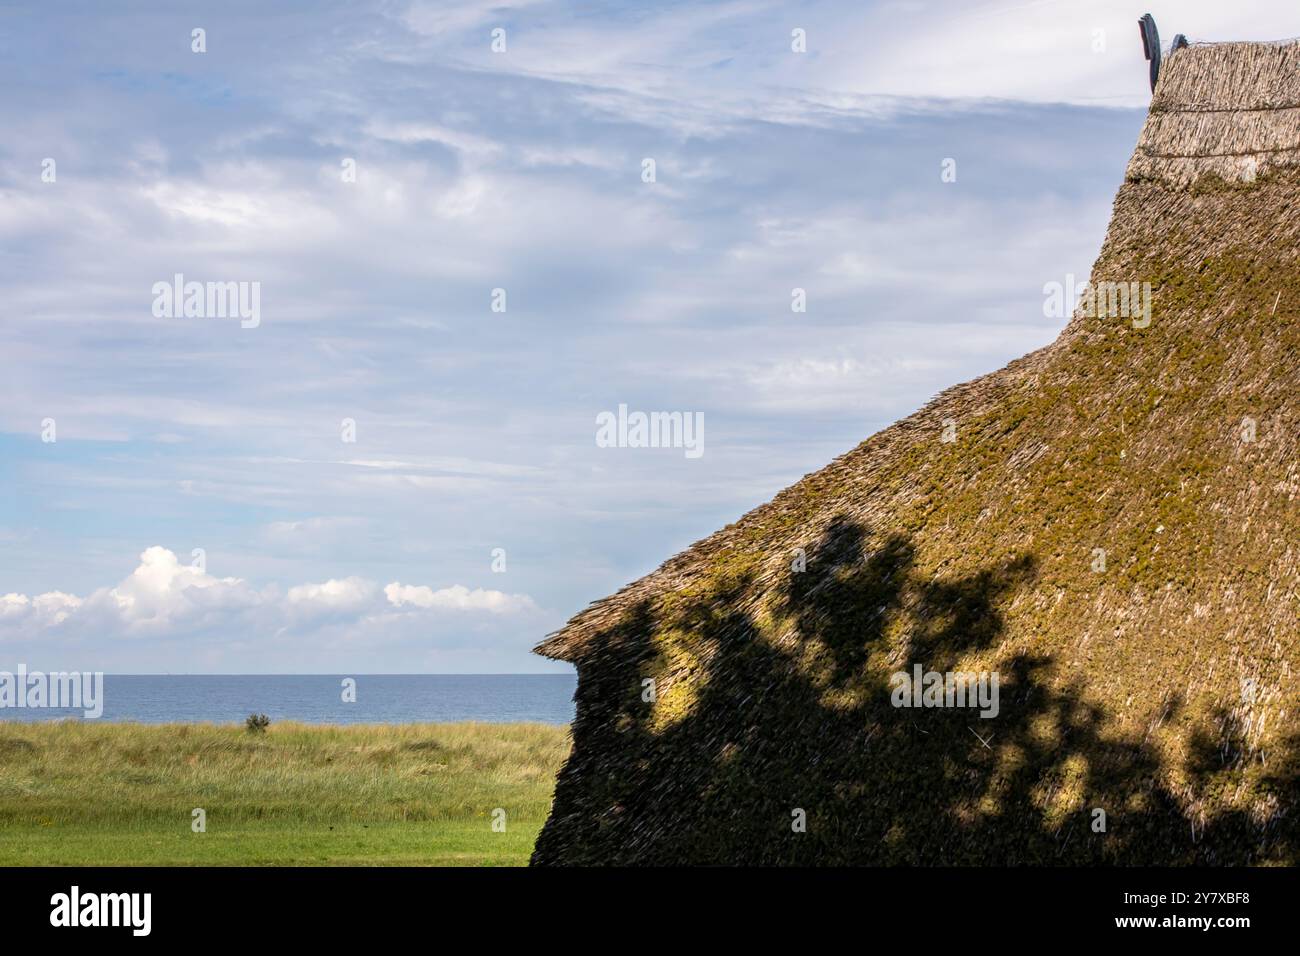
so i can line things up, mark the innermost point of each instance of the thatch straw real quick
(1228, 111)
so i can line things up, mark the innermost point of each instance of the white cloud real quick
(349, 594)
(468, 144)
(163, 598)
(1071, 51)
(1058, 51)
(440, 19)
(459, 598)
(45, 609)
(311, 528)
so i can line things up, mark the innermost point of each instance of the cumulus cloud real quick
(350, 594)
(46, 609)
(458, 598)
(164, 598)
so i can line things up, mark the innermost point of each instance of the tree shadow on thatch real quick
(764, 731)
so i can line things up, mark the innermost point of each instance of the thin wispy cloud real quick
(380, 172)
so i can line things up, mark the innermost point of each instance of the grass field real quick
(75, 793)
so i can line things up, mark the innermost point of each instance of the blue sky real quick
(478, 170)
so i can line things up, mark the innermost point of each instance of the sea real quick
(322, 699)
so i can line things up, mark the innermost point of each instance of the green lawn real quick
(416, 794)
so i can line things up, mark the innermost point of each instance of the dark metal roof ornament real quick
(1151, 45)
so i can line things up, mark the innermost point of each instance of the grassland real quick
(75, 793)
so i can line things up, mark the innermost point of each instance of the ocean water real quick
(318, 699)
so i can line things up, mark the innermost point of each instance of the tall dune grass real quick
(414, 784)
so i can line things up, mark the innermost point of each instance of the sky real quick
(470, 230)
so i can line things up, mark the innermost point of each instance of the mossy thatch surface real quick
(1162, 689)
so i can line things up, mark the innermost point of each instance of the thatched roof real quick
(1225, 110)
(1173, 447)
